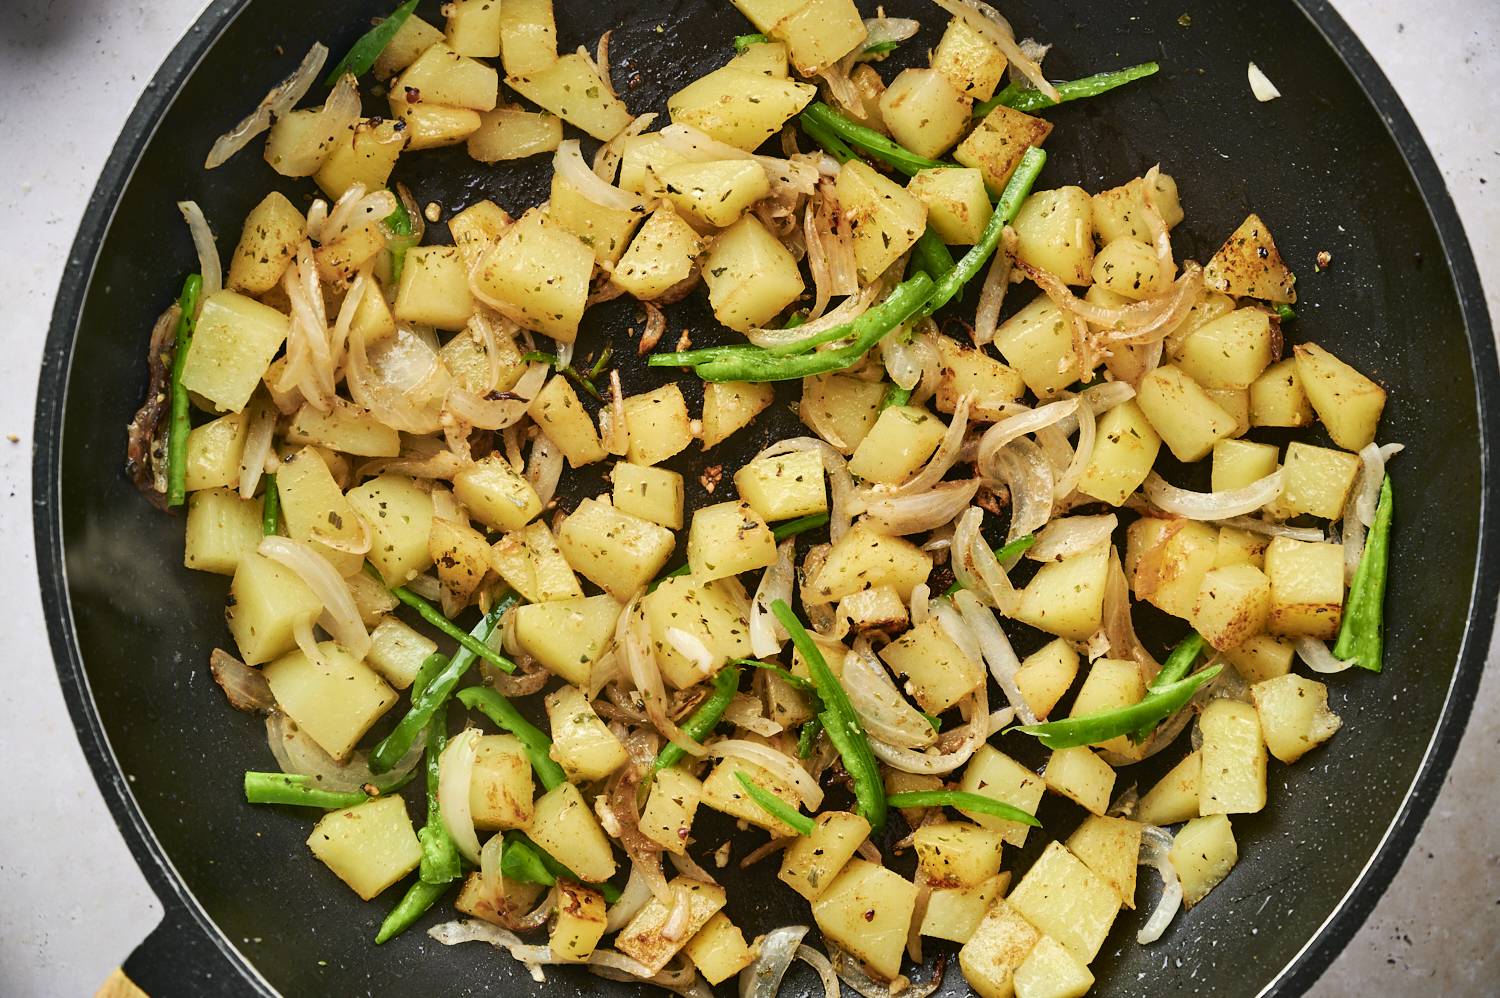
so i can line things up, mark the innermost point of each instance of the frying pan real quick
(1337, 164)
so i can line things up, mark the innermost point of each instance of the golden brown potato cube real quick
(1233, 780)
(1203, 853)
(606, 231)
(667, 818)
(273, 230)
(366, 156)
(971, 61)
(496, 494)
(1066, 597)
(994, 774)
(442, 76)
(726, 539)
(719, 950)
(335, 701)
(1067, 901)
(581, 743)
(811, 862)
(723, 791)
(645, 938)
(654, 494)
(1348, 403)
(954, 913)
(1248, 265)
(213, 453)
(1112, 683)
(739, 107)
(540, 272)
(1120, 211)
(867, 910)
(475, 899)
(313, 509)
(1130, 268)
(369, 846)
(429, 126)
(1082, 777)
(1038, 343)
(1238, 463)
(958, 206)
(572, 89)
(1174, 799)
(1294, 715)
(265, 601)
(531, 562)
(617, 552)
(414, 37)
(434, 289)
(1234, 603)
(346, 428)
(784, 487)
(567, 636)
(1170, 572)
(818, 33)
(500, 793)
(924, 111)
(731, 405)
(528, 36)
(1046, 674)
(1307, 587)
(970, 371)
(885, 220)
(1229, 352)
(473, 28)
(997, 145)
(845, 408)
(750, 275)
(1050, 971)
(658, 424)
(1055, 233)
(1262, 657)
(397, 651)
(564, 825)
(938, 673)
(221, 529)
(903, 438)
(477, 228)
(1111, 846)
(1188, 420)
(956, 853)
(579, 922)
(715, 613)
(715, 193)
(864, 559)
(561, 415)
(766, 58)
(662, 255)
(506, 133)
(400, 518)
(233, 343)
(1317, 479)
(999, 945)
(1125, 448)
(1277, 398)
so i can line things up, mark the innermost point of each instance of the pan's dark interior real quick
(1318, 165)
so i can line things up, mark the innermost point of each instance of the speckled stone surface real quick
(72, 904)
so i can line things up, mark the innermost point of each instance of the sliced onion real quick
(297, 754)
(1012, 428)
(946, 455)
(1261, 85)
(883, 711)
(971, 736)
(975, 567)
(545, 467)
(920, 594)
(746, 711)
(780, 765)
(992, 294)
(1255, 525)
(614, 433)
(912, 514)
(692, 648)
(1213, 505)
(996, 649)
(455, 779)
(1117, 627)
(988, 22)
(1071, 535)
(209, 266)
(281, 99)
(774, 953)
(300, 150)
(840, 482)
(1139, 322)
(848, 310)
(568, 163)
(766, 633)
(1318, 658)
(607, 157)
(645, 673)
(1105, 396)
(632, 899)
(1072, 473)
(1359, 509)
(1161, 239)
(258, 440)
(342, 615)
(471, 930)
(1027, 475)
(1156, 843)
(245, 687)
(818, 962)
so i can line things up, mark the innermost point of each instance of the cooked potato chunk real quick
(1234, 603)
(397, 651)
(844, 408)
(1120, 211)
(346, 428)
(473, 28)
(812, 861)
(723, 791)
(1294, 715)
(714, 613)
(997, 145)
(579, 922)
(213, 453)
(819, 33)
(1174, 799)
(222, 529)
(495, 494)
(442, 76)
(581, 743)
(366, 157)
(766, 58)
(667, 818)
(899, 444)
(938, 673)
(784, 487)
(273, 230)
(645, 937)
(1066, 597)
(970, 371)
(1318, 481)
(233, 343)
(719, 950)
(1348, 403)
(564, 825)
(884, 218)
(430, 126)
(1170, 571)
(540, 273)
(726, 539)
(662, 255)
(864, 559)
(314, 510)
(1233, 780)
(654, 494)
(958, 207)
(924, 111)
(1038, 342)
(335, 701)
(399, 514)
(867, 910)
(567, 636)
(1110, 846)
(1238, 463)
(658, 425)
(1056, 233)
(561, 415)
(411, 40)
(1000, 944)
(751, 277)
(1046, 674)
(1248, 265)
(500, 793)
(971, 61)
(994, 774)
(571, 89)
(731, 405)
(1277, 398)
(1129, 268)
(956, 853)
(606, 231)
(528, 36)
(1203, 853)
(369, 846)
(266, 600)
(506, 133)
(1229, 352)
(1188, 420)
(1125, 448)
(954, 913)
(1082, 777)
(1067, 901)
(1050, 971)
(617, 552)
(739, 107)
(1111, 683)
(1307, 587)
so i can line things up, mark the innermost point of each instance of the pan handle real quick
(179, 958)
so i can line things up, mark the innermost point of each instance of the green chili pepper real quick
(931, 255)
(1091, 729)
(1362, 631)
(270, 508)
(829, 140)
(882, 48)
(470, 643)
(567, 370)
(743, 42)
(895, 395)
(704, 719)
(1021, 98)
(399, 224)
(181, 423)
(791, 679)
(419, 897)
(523, 860)
(839, 720)
(869, 140)
(807, 737)
(1015, 548)
(362, 55)
(1285, 312)
(776, 807)
(800, 525)
(298, 791)
(441, 861)
(1176, 668)
(963, 800)
(537, 745)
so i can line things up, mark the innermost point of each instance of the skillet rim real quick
(188, 939)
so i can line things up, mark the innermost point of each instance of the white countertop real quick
(72, 903)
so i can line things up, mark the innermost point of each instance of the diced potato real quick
(233, 343)
(1038, 342)
(1069, 902)
(958, 207)
(430, 126)
(1110, 846)
(784, 487)
(925, 112)
(507, 133)
(500, 793)
(1174, 799)
(581, 743)
(579, 922)
(1203, 853)
(719, 950)
(662, 255)
(1233, 780)
(750, 275)
(346, 428)
(1066, 597)
(1262, 657)
(528, 36)
(495, 494)
(731, 405)
(971, 61)
(442, 76)
(1348, 403)
(221, 530)
(970, 371)
(885, 220)
(397, 651)
(845, 408)
(273, 231)
(938, 673)
(954, 913)
(572, 89)
(654, 494)
(956, 853)
(1188, 420)
(1249, 265)
(400, 518)
(532, 563)
(1112, 683)
(434, 288)
(1082, 777)
(412, 39)
(819, 33)
(1125, 448)
(864, 559)
(726, 539)
(994, 774)
(213, 453)
(1229, 352)
(540, 272)
(1317, 479)
(739, 107)
(723, 791)
(1130, 268)
(715, 193)
(1046, 674)
(1307, 587)
(617, 552)
(341, 256)
(716, 614)
(369, 846)
(1277, 398)
(473, 27)
(372, 323)
(1234, 603)
(810, 864)
(1120, 211)
(1238, 463)
(1294, 715)
(667, 818)
(265, 601)
(300, 140)
(1055, 231)
(367, 156)
(997, 145)
(564, 825)
(335, 701)
(561, 415)
(477, 228)
(1050, 971)
(645, 938)
(784, 703)
(998, 947)
(475, 900)
(1170, 573)
(659, 425)
(867, 911)
(567, 636)
(765, 13)
(606, 231)
(313, 509)
(1235, 402)
(903, 438)
(766, 58)
(642, 158)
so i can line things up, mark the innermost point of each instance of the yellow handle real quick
(120, 986)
